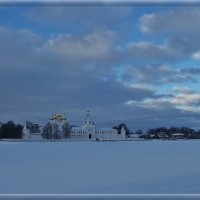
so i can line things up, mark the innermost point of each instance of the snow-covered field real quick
(100, 167)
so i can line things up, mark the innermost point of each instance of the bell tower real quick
(88, 126)
(123, 132)
(88, 120)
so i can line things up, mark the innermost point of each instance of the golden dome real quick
(57, 117)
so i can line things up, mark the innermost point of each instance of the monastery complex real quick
(58, 128)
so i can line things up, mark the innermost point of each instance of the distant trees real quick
(163, 132)
(53, 131)
(47, 131)
(119, 127)
(32, 127)
(57, 133)
(139, 132)
(66, 129)
(195, 135)
(11, 130)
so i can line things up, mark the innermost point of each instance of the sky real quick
(134, 64)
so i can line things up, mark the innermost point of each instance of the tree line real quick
(51, 131)
(119, 127)
(163, 132)
(10, 130)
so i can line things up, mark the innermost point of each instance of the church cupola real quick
(88, 120)
(88, 124)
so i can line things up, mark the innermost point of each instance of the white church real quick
(88, 131)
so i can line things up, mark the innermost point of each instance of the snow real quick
(146, 167)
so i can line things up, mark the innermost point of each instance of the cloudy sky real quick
(134, 64)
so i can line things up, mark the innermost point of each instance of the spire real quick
(88, 113)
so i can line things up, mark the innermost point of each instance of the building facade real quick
(88, 131)
(32, 131)
(58, 128)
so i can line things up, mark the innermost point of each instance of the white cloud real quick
(196, 55)
(93, 46)
(181, 20)
(158, 74)
(180, 26)
(144, 51)
(145, 22)
(181, 98)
